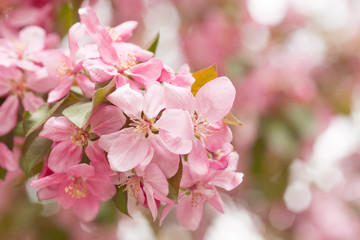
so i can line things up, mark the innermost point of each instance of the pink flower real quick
(7, 158)
(65, 69)
(131, 146)
(70, 140)
(119, 33)
(16, 85)
(147, 187)
(80, 187)
(195, 192)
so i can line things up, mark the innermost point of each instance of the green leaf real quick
(202, 77)
(101, 93)
(79, 113)
(2, 173)
(34, 120)
(174, 183)
(154, 44)
(120, 200)
(35, 149)
(231, 119)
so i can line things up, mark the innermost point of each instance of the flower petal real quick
(87, 208)
(57, 129)
(154, 100)
(188, 215)
(31, 102)
(106, 119)
(64, 155)
(8, 114)
(128, 100)
(127, 151)
(215, 99)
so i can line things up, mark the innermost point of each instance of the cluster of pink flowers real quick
(155, 136)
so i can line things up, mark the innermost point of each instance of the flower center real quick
(63, 70)
(201, 127)
(77, 189)
(79, 136)
(132, 185)
(129, 63)
(113, 34)
(142, 125)
(18, 87)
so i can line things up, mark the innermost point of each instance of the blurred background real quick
(296, 68)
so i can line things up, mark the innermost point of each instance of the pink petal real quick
(106, 119)
(220, 135)
(156, 179)
(176, 130)
(7, 159)
(49, 180)
(91, 21)
(184, 77)
(125, 30)
(64, 155)
(175, 144)
(228, 180)
(98, 71)
(166, 160)
(101, 188)
(31, 102)
(8, 114)
(60, 91)
(106, 47)
(130, 101)
(215, 99)
(75, 34)
(87, 208)
(165, 211)
(33, 37)
(150, 200)
(179, 98)
(216, 201)
(106, 141)
(81, 170)
(124, 48)
(57, 129)
(198, 160)
(98, 158)
(188, 215)
(140, 169)
(154, 100)
(39, 81)
(47, 193)
(147, 72)
(87, 87)
(127, 151)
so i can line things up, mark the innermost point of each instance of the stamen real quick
(79, 136)
(62, 70)
(128, 64)
(19, 87)
(113, 34)
(77, 189)
(132, 184)
(201, 127)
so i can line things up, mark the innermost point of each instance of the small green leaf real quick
(34, 120)
(174, 183)
(202, 77)
(101, 93)
(120, 200)
(154, 44)
(79, 113)
(2, 173)
(231, 119)
(35, 149)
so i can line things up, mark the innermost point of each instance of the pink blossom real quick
(70, 140)
(79, 187)
(147, 187)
